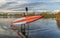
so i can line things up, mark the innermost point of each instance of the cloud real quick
(19, 5)
(2, 2)
(17, 1)
(53, 1)
(6, 4)
(56, 0)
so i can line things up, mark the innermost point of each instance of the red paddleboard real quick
(25, 20)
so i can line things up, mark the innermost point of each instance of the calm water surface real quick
(42, 28)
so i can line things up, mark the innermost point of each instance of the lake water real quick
(42, 28)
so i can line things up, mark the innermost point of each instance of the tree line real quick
(45, 14)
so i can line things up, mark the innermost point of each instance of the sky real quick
(35, 5)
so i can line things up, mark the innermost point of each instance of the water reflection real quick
(48, 29)
(43, 28)
(58, 23)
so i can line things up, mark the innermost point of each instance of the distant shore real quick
(45, 15)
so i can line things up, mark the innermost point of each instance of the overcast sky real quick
(35, 5)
